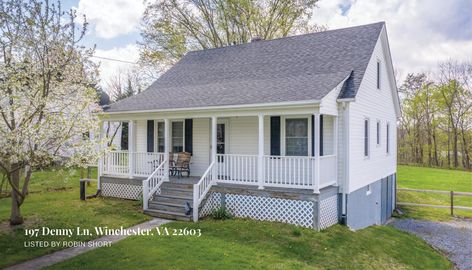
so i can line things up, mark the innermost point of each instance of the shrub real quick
(296, 232)
(221, 214)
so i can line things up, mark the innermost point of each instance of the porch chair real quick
(181, 165)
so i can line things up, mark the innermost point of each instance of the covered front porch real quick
(266, 151)
(287, 150)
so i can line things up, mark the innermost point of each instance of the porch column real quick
(166, 148)
(131, 147)
(316, 155)
(214, 120)
(260, 161)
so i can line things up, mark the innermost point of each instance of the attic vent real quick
(256, 38)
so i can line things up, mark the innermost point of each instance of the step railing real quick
(153, 182)
(202, 187)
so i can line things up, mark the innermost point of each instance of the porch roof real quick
(298, 68)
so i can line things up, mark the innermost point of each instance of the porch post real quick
(131, 147)
(260, 161)
(335, 147)
(166, 148)
(316, 155)
(213, 147)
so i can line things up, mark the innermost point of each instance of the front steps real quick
(172, 200)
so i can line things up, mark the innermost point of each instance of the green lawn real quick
(54, 202)
(245, 244)
(435, 179)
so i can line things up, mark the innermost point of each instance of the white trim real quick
(241, 106)
(346, 99)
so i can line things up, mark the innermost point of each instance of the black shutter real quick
(150, 135)
(321, 135)
(188, 135)
(275, 135)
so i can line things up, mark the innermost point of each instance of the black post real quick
(452, 203)
(82, 190)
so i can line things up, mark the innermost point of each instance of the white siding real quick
(328, 135)
(374, 104)
(243, 135)
(328, 103)
(201, 146)
(141, 136)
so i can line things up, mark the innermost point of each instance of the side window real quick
(378, 133)
(388, 138)
(378, 74)
(366, 137)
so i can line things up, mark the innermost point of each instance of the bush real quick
(221, 214)
(296, 231)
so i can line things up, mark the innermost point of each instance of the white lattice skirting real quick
(328, 212)
(295, 212)
(132, 192)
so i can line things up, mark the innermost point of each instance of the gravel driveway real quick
(453, 238)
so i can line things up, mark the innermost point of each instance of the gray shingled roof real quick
(297, 68)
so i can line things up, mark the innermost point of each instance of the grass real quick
(435, 179)
(54, 202)
(246, 244)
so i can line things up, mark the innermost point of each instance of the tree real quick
(173, 27)
(46, 95)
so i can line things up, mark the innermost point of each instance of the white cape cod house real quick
(299, 130)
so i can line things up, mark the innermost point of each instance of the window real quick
(296, 137)
(378, 74)
(366, 137)
(177, 136)
(388, 138)
(160, 137)
(369, 190)
(378, 133)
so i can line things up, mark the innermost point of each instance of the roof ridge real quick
(287, 37)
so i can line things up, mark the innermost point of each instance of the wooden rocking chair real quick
(181, 165)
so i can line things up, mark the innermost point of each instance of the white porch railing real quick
(201, 188)
(289, 171)
(116, 163)
(328, 170)
(153, 182)
(238, 169)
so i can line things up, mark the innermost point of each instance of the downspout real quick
(345, 107)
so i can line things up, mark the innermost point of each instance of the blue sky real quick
(421, 32)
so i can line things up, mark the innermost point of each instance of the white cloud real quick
(108, 68)
(111, 18)
(421, 32)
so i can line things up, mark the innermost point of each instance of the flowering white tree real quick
(47, 101)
